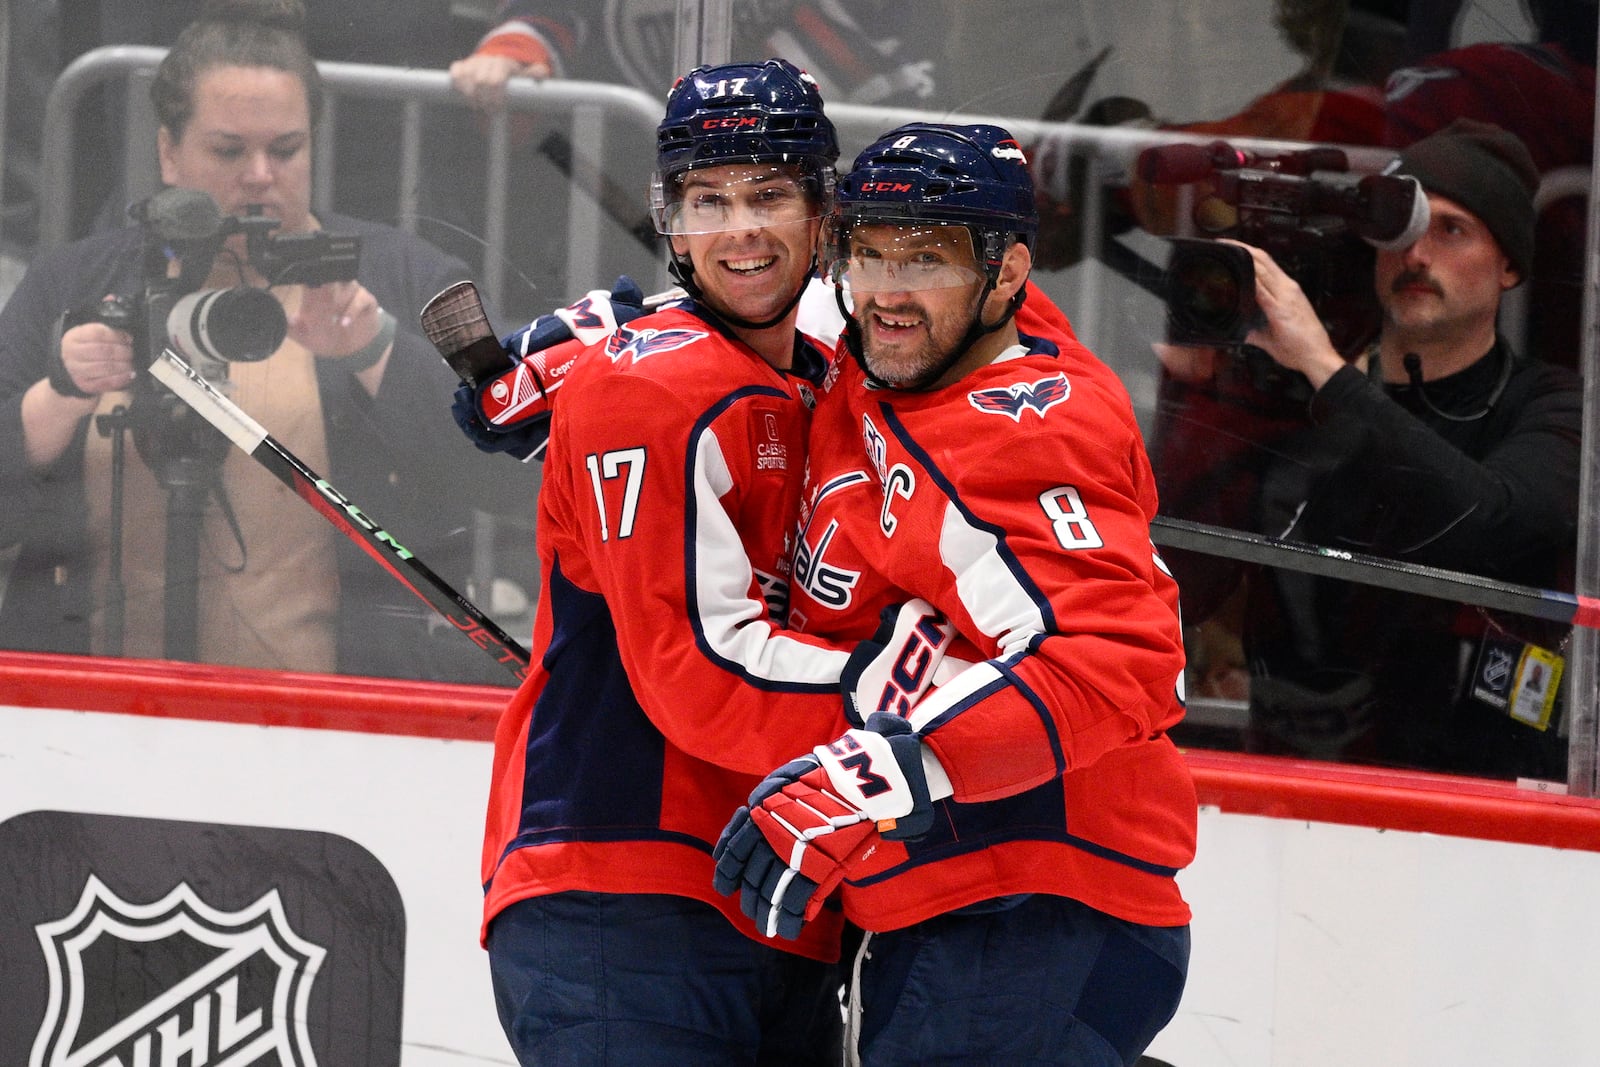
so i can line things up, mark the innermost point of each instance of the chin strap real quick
(977, 329)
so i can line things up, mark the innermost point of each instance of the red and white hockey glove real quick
(511, 411)
(892, 669)
(815, 818)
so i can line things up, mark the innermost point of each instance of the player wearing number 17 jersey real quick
(1012, 840)
(661, 688)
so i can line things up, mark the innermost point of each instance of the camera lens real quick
(1210, 293)
(240, 325)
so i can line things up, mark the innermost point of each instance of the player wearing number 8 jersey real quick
(1012, 840)
(1022, 511)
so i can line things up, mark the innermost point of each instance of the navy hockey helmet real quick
(736, 114)
(768, 112)
(974, 176)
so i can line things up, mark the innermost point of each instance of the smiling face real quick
(750, 232)
(916, 289)
(248, 142)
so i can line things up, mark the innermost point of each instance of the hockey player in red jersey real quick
(661, 689)
(1012, 840)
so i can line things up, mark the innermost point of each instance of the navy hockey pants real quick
(591, 979)
(1022, 980)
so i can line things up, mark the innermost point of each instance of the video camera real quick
(214, 327)
(183, 232)
(1319, 222)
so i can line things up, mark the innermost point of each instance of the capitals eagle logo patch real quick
(637, 344)
(1013, 400)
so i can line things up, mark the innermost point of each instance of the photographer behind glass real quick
(1439, 446)
(335, 378)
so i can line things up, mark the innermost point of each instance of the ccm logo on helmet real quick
(885, 187)
(730, 123)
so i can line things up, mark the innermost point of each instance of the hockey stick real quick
(454, 320)
(338, 509)
(1374, 570)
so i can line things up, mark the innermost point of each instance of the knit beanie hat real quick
(1486, 170)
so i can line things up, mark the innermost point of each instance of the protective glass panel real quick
(538, 192)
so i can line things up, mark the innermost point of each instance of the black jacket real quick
(1355, 671)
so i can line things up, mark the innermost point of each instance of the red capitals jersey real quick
(661, 691)
(1018, 502)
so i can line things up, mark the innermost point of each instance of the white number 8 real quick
(1064, 508)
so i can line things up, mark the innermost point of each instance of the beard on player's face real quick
(910, 340)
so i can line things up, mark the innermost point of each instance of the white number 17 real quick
(608, 466)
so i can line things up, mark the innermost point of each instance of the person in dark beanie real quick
(1438, 446)
(1543, 90)
(1486, 170)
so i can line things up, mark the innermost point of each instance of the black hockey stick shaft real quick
(1374, 570)
(252, 439)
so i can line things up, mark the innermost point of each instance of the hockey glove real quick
(815, 818)
(511, 412)
(892, 669)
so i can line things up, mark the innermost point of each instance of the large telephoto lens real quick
(240, 325)
(1211, 293)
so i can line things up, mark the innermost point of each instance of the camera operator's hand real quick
(1293, 334)
(339, 320)
(97, 358)
(93, 359)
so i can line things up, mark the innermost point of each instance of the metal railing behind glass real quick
(594, 113)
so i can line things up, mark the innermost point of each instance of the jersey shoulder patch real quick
(635, 344)
(1012, 400)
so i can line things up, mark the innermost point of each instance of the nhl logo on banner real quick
(145, 942)
(236, 984)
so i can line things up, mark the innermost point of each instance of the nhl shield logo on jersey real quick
(219, 987)
(1013, 400)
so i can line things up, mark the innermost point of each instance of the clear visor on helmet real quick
(722, 199)
(873, 257)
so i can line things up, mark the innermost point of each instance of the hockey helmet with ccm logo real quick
(767, 112)
(974, 176)
(932, 175)
(741, 114)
